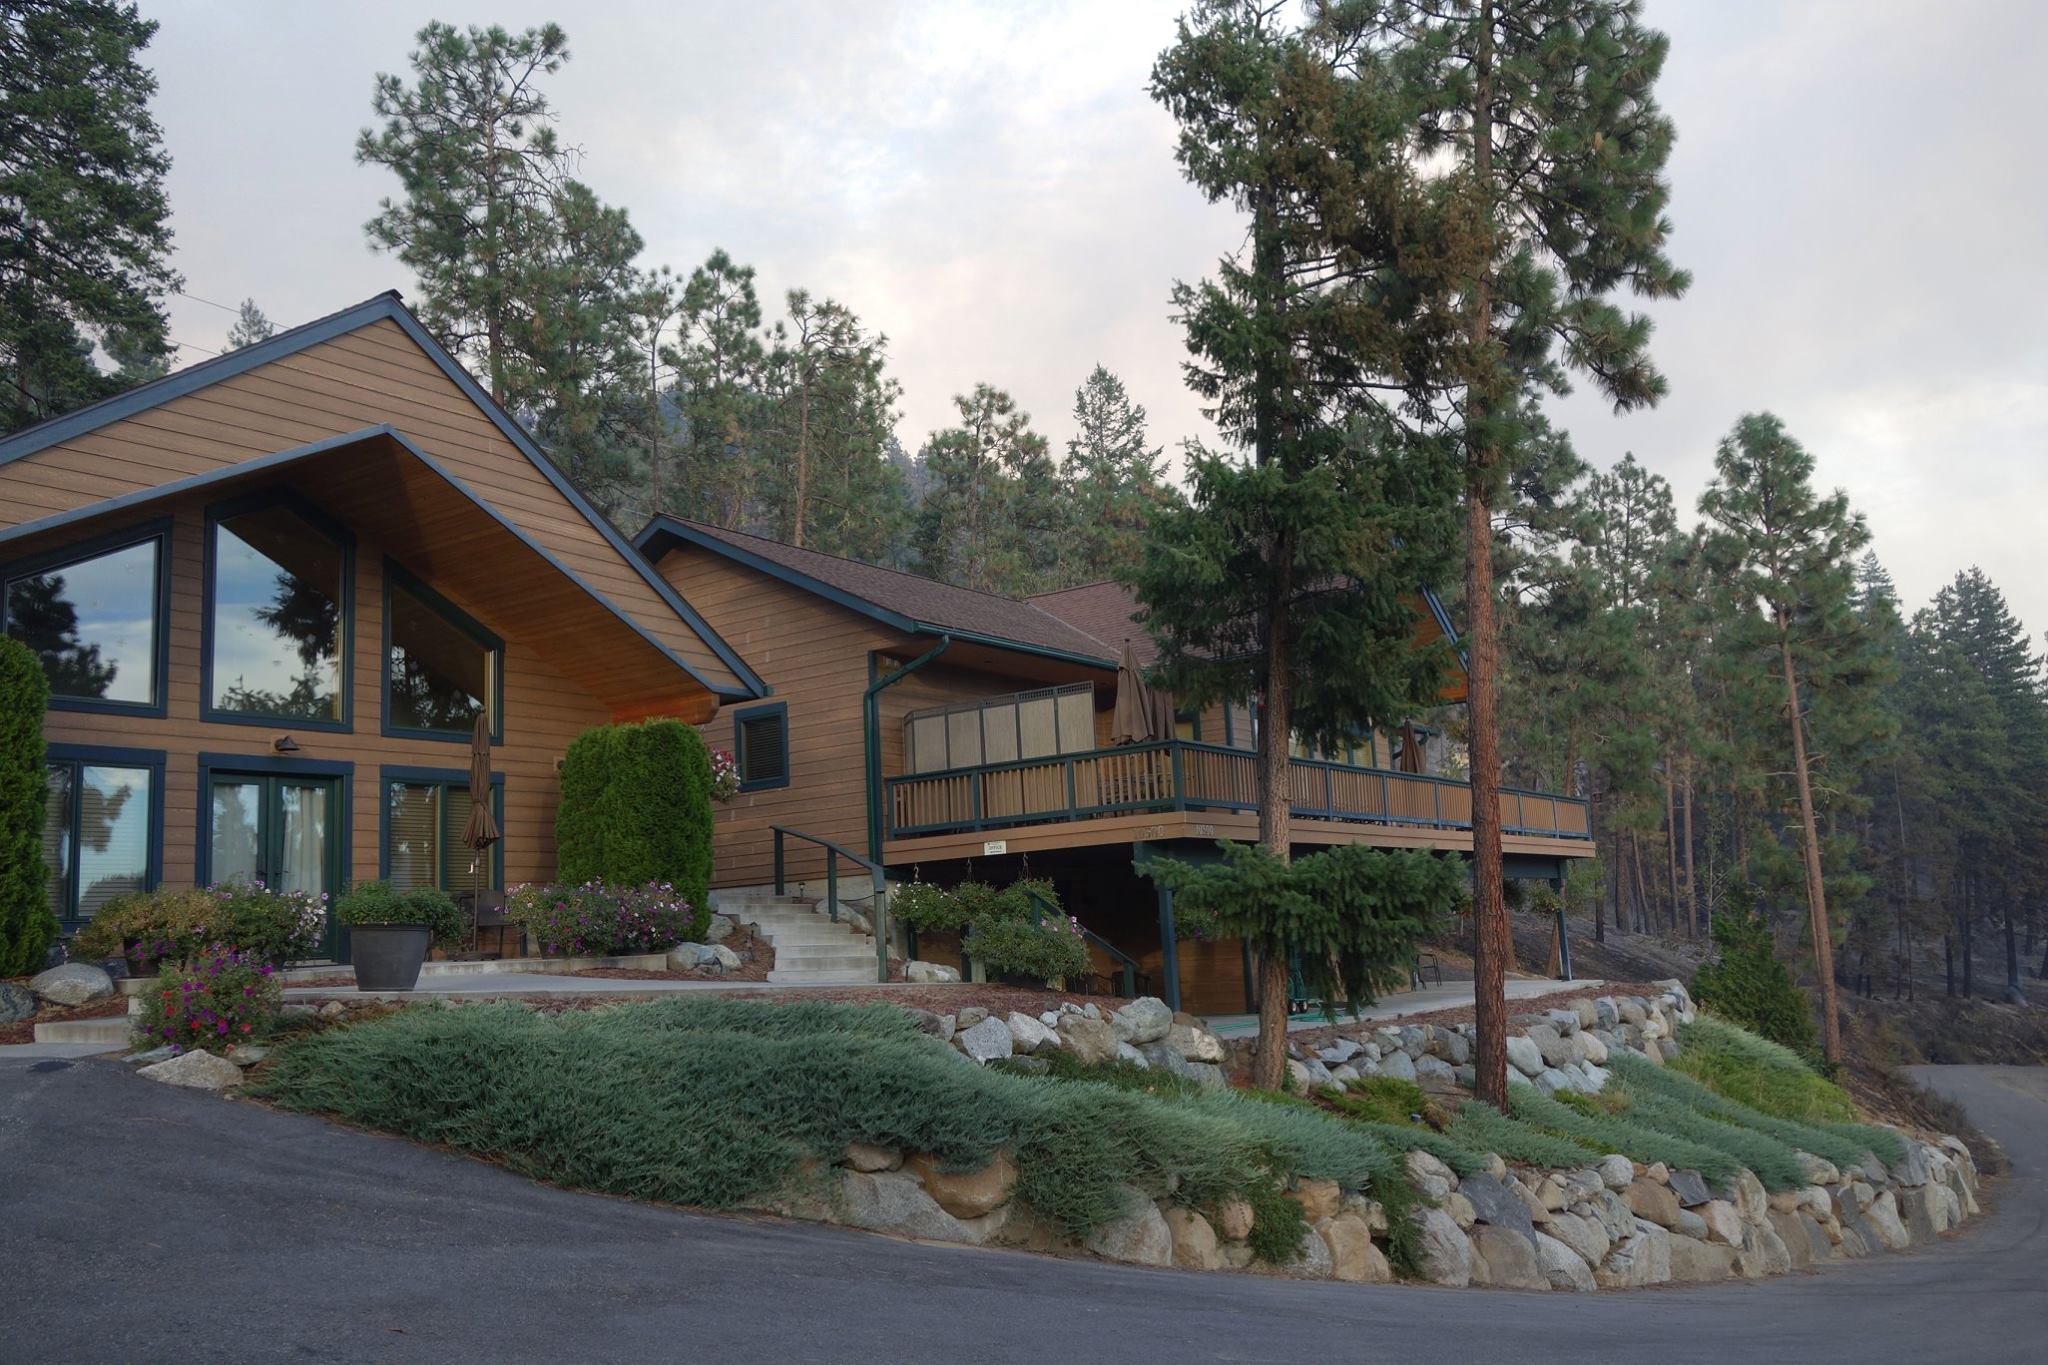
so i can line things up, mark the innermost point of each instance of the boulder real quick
(719, 928)
(1371, 1210)
(1312, 1258)
(939, 1026)
(1446, 1255)
(1126, 1053)
(1193, 1240)
(1587, 1239)
(1339, 1051)
(1798, 1250)
(1090, 1041)
(1690, 1188)
(1561, 1266)
(1691, 1225)
(1505, 1259)
(691, 957)
(1763, 1253)
(16, 1003)
(1647, 1199)
(1928, 1211)
(1883, 1218)
(1432, 1178)
(986, 1041)
(1461, 1210)
(1144, 1020)
(1551, 1046)
(1750, 1198)
(1196, 1044)
(1819, 1246)
(1319, 1199)
(1138, 1236)
(1595, 1051)
(1616, 1219)
(1913, 1169)
(726, 958)
(195, 1071)
(892, 1201)
(1818, 1172)
(1498, 1205)
(930, 972)
(1234, 1220)
(965, 1194)
(1524, 1055)
(1724, 1224)
(1616, 1171)
(74, 983)
(1643, 1257)
(969, 1016)
(869, 1158)
(1400, 1066)
(1028, 1034)
(1353, 1257)
(1550, 1080)
(1696, 1262)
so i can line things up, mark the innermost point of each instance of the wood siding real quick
(542, 713)
(361, 379)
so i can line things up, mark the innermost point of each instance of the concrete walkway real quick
(1449, 996)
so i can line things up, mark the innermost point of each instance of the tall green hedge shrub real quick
(636, 808)
(1750, 987)
(26, 925)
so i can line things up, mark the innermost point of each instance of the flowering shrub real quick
(173, 926)
(1050, 951)
(725, 776)
(379, 902)
(926, 908)
(220, 998)
(601, 920)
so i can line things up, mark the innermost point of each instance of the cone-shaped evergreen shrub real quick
(636, 808)
(26, 924)
(1750, 987)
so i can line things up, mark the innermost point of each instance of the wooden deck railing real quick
(1185, 775)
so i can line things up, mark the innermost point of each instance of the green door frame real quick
(269, 774)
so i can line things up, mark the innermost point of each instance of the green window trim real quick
(345, 542)
(398, 577)
(760, 738)
(74, 759)
(99, 547)
(452, 787)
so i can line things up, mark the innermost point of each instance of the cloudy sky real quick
(1857, 190)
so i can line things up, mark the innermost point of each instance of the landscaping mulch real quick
(24, 1030)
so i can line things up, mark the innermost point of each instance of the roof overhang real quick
(384, 487)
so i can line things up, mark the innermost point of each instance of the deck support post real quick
(871, 736)
(1169, 951)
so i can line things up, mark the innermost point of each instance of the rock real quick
(1164, 1056)
(1506, 1259)
(966, 1194)
(1144, 1020)
(722, 927)
(333, 1009)
(1461, 1210)
(892, 1201)
(1595, 1051)
(1883, 1217)
(1798, 1250)
(1585, 1236)
(939, 1026)
(869, 1158)
(1024, 1064)
(1139, 1236)
(1090, 1041)
(1399, 1066)
(1819, 1245)
(726, 958)
(1524, 1055)
(1614, 1215)
(1496, 1204)
(155, 1054)
(1028, 1034)
(1818, 1172)
(1353, 1257)
(1913, 1169)
(1446, 1256)
(246, 1055)
(1691, 1225)
(1632, 1011)
(1371, 1210)
(1647, 1199)
(1338, 1052)
(1763, 1254)
(1126, 1053)
(1561, 1266)
(1928, 1211)
(1750, 1199)
(1193, 1241)
(1695, 1262)
(1616, 1171)
(1643, 1257)
(1344, 1075)
(1551, 1046)
(1195, 1043)
(985, 1041)
(1690, 1188)
(194, 1070)
(1432, 1178)
(690, 957)
(930, 972)
(16, 1003)
(969, 1016)
(74, 983)
(1587, 1015)
(1566, 1022)
(1319, 1199)
(1550, 1080)
(1658, 1172)
(1234, 1220)
(1312, 1258)
(1724, 1224)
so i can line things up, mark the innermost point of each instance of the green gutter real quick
(871, 735)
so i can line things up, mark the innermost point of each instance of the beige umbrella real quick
(1137, 709)
(482, 830)
(1411, 749)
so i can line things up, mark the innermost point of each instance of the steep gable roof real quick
(354, 352)
(905, 601)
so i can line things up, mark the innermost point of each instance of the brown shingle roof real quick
(915, 601)
(1108, 611)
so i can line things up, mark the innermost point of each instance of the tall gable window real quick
(761, 736)
(95, 618)
(442, 669)
(277, 617)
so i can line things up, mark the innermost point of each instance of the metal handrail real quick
(878, 908)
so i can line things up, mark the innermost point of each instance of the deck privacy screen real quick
(1006, 729)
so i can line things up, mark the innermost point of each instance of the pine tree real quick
(82, 206)
(1111, 479)
(827, 482)
(720, 390)
(251, 326)
(991, 516)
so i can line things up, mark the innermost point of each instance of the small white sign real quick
(992, 847)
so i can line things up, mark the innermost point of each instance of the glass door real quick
(279, 830)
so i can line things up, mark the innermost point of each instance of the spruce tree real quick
(83, 215)
(251, 326)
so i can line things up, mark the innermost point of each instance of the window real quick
(441, 668)
(1006, 729)
(424, 819)
(277, 618)
(102, 828)
(95, 619)
(761, 736)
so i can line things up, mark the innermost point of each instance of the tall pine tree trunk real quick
(1816, 890)
(1492, 941)
(1692, 893)
(1671, 836)
(803, 458)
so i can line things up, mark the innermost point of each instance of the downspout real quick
(871, 735)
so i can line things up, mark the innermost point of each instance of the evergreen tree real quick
(719, 362)
(991, 516)
(26, 925)
(251, 326)
(1111, 479)
(85, 237)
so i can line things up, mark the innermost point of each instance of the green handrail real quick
(878, 907)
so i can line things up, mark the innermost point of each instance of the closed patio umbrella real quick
(1411, 749)
(1137, 711)
(482, 830)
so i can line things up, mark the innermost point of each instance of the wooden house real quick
(947, 734)
(273, 591)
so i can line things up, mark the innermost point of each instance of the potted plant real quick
(391, 931)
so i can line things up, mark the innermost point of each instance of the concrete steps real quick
(810, 949)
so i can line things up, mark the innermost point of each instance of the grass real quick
(720, 1103)
(1759, 1073)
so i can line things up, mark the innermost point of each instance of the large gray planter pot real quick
(388, 956)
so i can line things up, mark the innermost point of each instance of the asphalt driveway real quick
(148, 1223)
